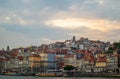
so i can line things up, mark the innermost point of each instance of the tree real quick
(68, 67)
(110, 50)
(116, 45)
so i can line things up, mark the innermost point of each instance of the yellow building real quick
(44, 56)
(101, 62)
(34, 60)
(44, 59)
(70, 59)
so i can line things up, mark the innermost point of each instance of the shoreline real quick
(76, 75)
(71, 74)
(91, 75)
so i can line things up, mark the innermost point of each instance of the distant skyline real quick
(34, 22)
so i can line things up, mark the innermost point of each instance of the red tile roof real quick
(101, 59)
(69, 55)
(2, 59)
(20, 57)
(59, 42)
(83, 51)
(2, 53)
(7, 58)
(89, 58)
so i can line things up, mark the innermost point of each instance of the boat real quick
(13, 74)
(50, 73)
(46, 74)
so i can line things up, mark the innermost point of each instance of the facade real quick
(101, 60)
(57, 45)
(34, 62)
(84, 54)
(2, 63)
(83, 43)
(52, 61)
(70, 59)
(44, 60)
(22, 56)
(80, 59)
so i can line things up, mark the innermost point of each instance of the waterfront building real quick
(2, 59)
(8, 63)
(89, 61)
(23, 55)
(80, 60)
(60, 57)
(116, 54)
(111, 63)
(70, 59)
(34, 62)
(2, 63)
(51, 61)
(44, 60)
(100, 63)
(83, 54)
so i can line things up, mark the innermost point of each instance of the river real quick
(36, 77)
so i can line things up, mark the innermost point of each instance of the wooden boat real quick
(12, 74)
(50, 73)
(46, 74)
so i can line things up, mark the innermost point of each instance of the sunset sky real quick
(34, 22)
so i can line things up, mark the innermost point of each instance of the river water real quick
(36, 77)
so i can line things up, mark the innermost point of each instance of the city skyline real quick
(34, 22)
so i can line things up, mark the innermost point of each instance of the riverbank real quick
(69, 74)
(36, 77)
(76, 74)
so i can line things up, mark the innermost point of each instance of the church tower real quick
(73, 39)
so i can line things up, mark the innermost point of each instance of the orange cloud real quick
(73, 23)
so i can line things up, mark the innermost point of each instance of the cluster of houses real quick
(84, 54)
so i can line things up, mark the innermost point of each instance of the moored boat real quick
(50, 73)
(46, 74)
(12, 74)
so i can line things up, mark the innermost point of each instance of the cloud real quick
(15, 19)
(15, 39)
(39, 21)
(73, 23)
(98, 2)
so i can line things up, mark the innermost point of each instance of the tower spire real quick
(73, 39)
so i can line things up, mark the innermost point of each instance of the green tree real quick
(68, 67)
(116, 45)
(110, 50)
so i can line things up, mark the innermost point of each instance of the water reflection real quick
(36, 77)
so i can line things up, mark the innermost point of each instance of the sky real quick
(34, 22)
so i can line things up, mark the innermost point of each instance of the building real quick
(52, 61)
(57, 45)
(80, 60)
(112, 65)
(2, 63)
(34, 62)
(83, 43)
(100, 63)
(70, 59)
(44, 60)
